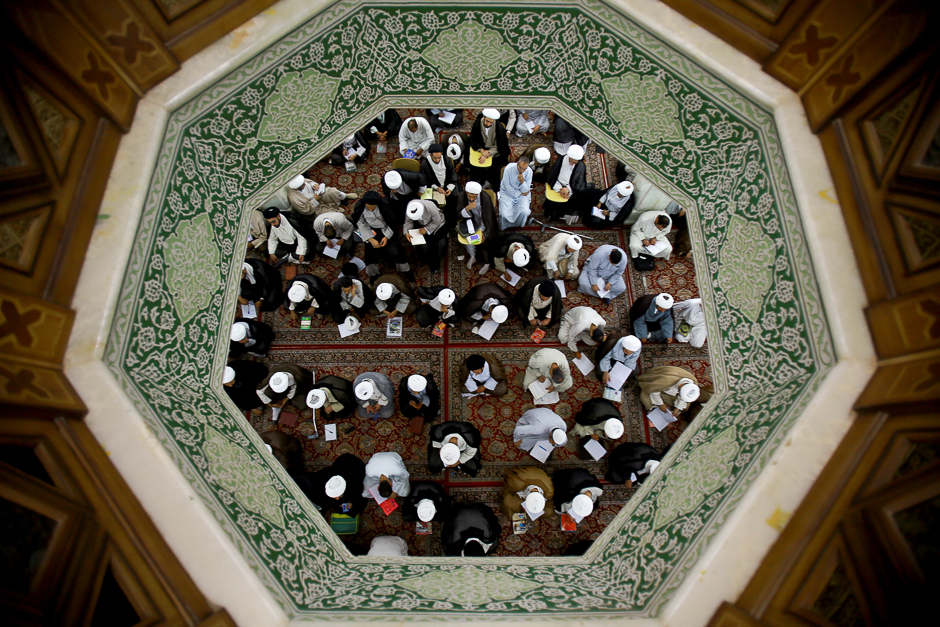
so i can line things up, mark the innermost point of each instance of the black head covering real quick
(475, 362)
(436, 148)
(545, 288)
(350, 269)
(271, 212)
(372, 197)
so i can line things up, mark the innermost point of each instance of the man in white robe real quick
(307, 198)
(650, 230)
(690, 322)
(514, 194)
(550, 366)
(560, 256)
(604, 271)
(416, 135)
(537, 425)
(387, 469)
(531, 121)
(584, 324)
(330, 226)
(283, 240)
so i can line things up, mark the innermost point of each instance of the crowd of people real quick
(453, 188)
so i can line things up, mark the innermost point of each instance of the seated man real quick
(286, 449)
(400, 187)
(650, 230)
(538, 303)
(308, 199)
(338, 487)
(354, 148)
(387, 546)
(531, 121)
(576, 491)
(483, 302)
(415, 138)
(668, 387)
(632, 462)
(438, 306)
(436, 119)
(425, 217)
(308, 294)
(387, 122)
(473, 203)
(352, 297)
(375, 395)
(568, 179)
(483, 374)
(418, 396)
(488, 144)
(539, 425)
(258, 229)
(250, 336)
(393, 297)
(651, 317)
(454, 445)
(330, 226)
(565, 135)
(623, 349)
(690, 322)
(560, 256)
(285, 382)
(615, 205)
(582, 323)
(439, 176)
(427, 501)
(457, 145)
(540, 161)
(387, 473)
(261, 285)
(513, 251)
(598, 418)
(515, 196)
(530, 485)
(470, 530)
(549, 366)
(603, 272)
(377, 227)
(286, 244)
(334, 395)
(240, 380)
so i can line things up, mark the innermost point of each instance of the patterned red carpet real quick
(418, 351)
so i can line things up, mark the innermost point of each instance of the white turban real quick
(249, 273)
(417, 383)
(689, 392)
(535, 502)
(574, 242)
(384, 291)
(500, 314)
(650, 466)
(228, 375)
(298, 292)
(521, 257)
(279, 382)
(665, 301)
(316, 399)
(297, 182)
(625, 188)
(365, 390)
(582, 505)
(473, 187)
(393, 179)
(542, 155)
(450, 454)
(613, 428)
(351, 322)
(335, 487)
(446, 296)
(576, 152)
(559, 437)
(415, 210)
(426, 510)
(239, 331)
(453, 151)
(492, 114)
(631, 343)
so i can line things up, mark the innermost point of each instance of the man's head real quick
(542, 155)
(475, 363)
(228, 377)
(662, 221)
(329, 231)
(615, 256)
(371, 200)
(522, 164)
(625, 189)
(346, 284)
(558, 375)
(473, 548)
(598, 334)
(272, 215)
(385, 488)
(575, 154)
(437, 152)
(412, 125)
(630, 344)
(573, 243)
(473, 190)
(545, 290)
(664, 302)
(239, 332)
(490, 116)
(297, 182)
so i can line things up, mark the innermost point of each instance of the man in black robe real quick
(354, 148)
(505, 257)
(312, 297)
(470, 530)
(378, 227)
(472, 202)
(250, 336)
(335, 397)
(488, 137)
(418, 396)
(261, 285)
(631, 463)
(571, 482)
(532, 312)
(241, 379)
(568, 177)
(401, 186)
(338, 488)
(427, 501)
(478, 303)
(389, 121)
(437, 169)
(454, 444)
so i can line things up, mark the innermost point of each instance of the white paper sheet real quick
(374, 491)
(329, 432)
(660, 418)
(584, 364)
(344, 332)
(618, 375)
(542, 450)
(529, 124)
(447, 117)
(530, 514)
(595, 449)
(601, 284)
(487, 329)
(249, 311)
(416, 238)
(561, 287)
(538, 389)
(658, 247)
(598, 213)
(359, 263)
(513, 277)
(491, 384)
(332, 253)
(549, 399)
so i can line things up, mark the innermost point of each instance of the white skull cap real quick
(335, 487)
(625, 188)
(453, 151)
(297, 182)
(500, 314)
(393, 179)
(228, 375)
(316, 399)
(582, 505)
(535, 502)
(689, 392)
(426, 510)
(542, 155)
(574, 242)
(417, 383)
(559, 437)
(351, 322)
(473, 187)
(450, 454)
(239, 331)
(521, 257)
(613, 428)
(279, 382)
(297, 292)
(364, 390)
(631, 343)
(446, 296)
(351, 138)
(651, 465)
(665, 301)
(415, 209)
(576, 152)
(492, 114)
(384, 291)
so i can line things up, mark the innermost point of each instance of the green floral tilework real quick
(686, 129)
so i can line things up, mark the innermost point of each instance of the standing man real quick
(651, 317)
(514, 194)
(560, 256)
(582, 323)
(603, 272)
(473, 203)
(489, 148)
(549, 366)
(416, 136)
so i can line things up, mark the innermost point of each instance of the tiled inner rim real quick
(688, 131)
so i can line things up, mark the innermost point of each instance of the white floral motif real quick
(467, 586)
(470, 53)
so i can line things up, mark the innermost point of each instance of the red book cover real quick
(388, 506)
(568, 523)
(537, 335)
(286, 419)
(439, 328)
